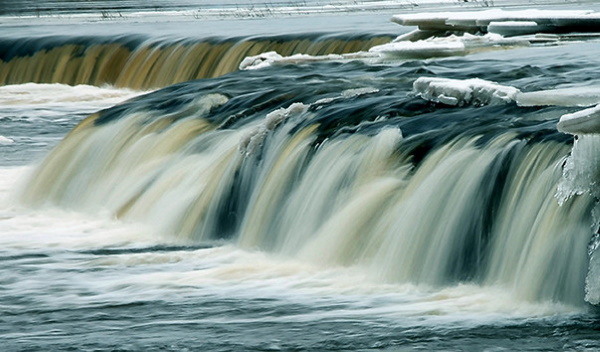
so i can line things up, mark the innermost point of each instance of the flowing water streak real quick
(538, 246)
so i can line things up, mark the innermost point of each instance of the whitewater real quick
(307, 176)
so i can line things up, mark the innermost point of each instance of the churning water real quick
(318, 206)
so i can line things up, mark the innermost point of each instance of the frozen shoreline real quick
(235, 18)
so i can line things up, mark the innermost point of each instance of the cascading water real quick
(303, 191)
(140, 63)
(320, 170)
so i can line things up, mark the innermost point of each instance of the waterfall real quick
(303, 169)
(139, 63)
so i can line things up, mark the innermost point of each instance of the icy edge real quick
(581, 122)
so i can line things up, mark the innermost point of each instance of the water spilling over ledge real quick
(341, 167)
(141, 63)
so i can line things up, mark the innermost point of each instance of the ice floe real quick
(422, 48)
(453, 45)
(460, 92)
(481, 92)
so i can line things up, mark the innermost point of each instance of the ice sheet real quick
(549, 20)
(572, 96)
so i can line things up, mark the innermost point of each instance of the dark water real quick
(99, 269)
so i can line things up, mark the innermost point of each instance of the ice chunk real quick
(355, 92)
(270, 58)
(478, 92)
(421, 49)
(5, 140)
(460, 92)
(445, 46)
(28, 94)
(253, 140)
(346, 94)
(259, 61)
(581, 122)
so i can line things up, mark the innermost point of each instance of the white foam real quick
(55, 228)
(460, 92)
(46, 94)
